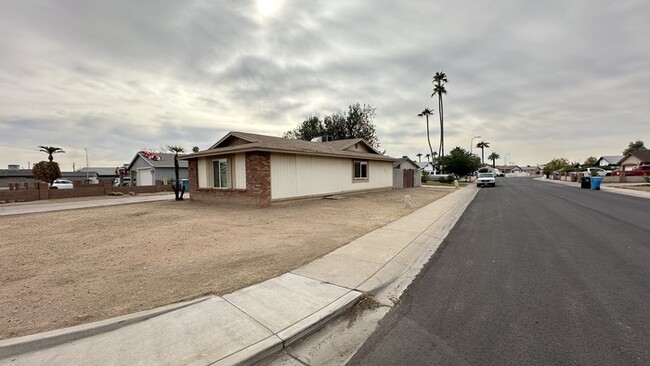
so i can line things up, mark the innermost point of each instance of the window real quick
(360, 170)
(220, 173)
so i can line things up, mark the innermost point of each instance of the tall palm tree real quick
(427, 156)
(426, 113)
(50, 150)
(178, 190)
(419, 155)
(494, 156)
(439, 79)
(482, 145)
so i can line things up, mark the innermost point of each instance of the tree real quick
(634, 146)
(50, 150)
(195, 149)
(557, 164)
(439, 89)
(419, 155)
(426, 113)
(483, 145)
(46, 171)
(460, 162)
(178, 189)
(494, 156)
(307, 130)
(590, 161)
(428, 156)
(357, 122)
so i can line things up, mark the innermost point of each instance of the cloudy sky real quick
(535, 79)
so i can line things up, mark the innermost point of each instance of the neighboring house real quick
(146, 168)
(256, 170)
(427, 167)
(406, 173)
(509, 169)
(608, 160)
(633, 159)
(531, 170)
(16, 176)
(22, 176)
(104, 174)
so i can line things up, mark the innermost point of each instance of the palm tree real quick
(50, 150)
(426, 113)
(427, 156)
(482, 145)
(439, 89)
(419, 157)
(494, 156)
(178, 190)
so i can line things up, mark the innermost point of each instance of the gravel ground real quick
(65, 268)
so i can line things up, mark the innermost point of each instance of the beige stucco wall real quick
(304, 176)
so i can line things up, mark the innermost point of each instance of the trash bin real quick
(595, 183)
(185, 183)
(585, 182)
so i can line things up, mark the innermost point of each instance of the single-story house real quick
(251, 169)
(25, 176)
(531, 170)
(640, 157)
(104, 174)
(509, 168)
(610, 160)
(427, 166)
(146, 168)
(406, 173)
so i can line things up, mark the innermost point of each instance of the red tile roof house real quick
(256, 170)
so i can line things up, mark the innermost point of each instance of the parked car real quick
(498, 173)
(637, 170)
(600, 172)
(126, 181)
(61, 184)
(486, 179)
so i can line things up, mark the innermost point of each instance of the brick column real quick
(193, 175)
(258, 176)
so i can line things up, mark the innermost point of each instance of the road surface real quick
(534, 273)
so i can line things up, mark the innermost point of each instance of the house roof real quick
(611, 159)
(237, 142)
(643, 155)
(101, 171)
(15, 173)
(405, 159)
(158, 160)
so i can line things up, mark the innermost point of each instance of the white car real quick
(486, 179)
(61, 184)
(600, 172)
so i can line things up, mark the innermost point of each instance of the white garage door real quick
(145, 178)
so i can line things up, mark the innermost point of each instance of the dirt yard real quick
(65, 268)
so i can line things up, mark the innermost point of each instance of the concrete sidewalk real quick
(250, 324)
(61, 205)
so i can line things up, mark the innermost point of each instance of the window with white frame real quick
(220, 173)
(360, 169)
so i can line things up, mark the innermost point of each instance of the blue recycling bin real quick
(186, 185)
(595, 183)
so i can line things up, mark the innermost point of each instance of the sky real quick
(537, 80)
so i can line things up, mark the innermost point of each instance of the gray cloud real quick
(536, 79)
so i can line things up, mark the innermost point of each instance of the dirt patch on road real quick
(65, 268)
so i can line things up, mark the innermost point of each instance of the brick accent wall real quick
(258, 184)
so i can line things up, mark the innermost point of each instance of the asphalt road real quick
(534, 273)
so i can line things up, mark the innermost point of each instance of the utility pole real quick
(87, 179)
